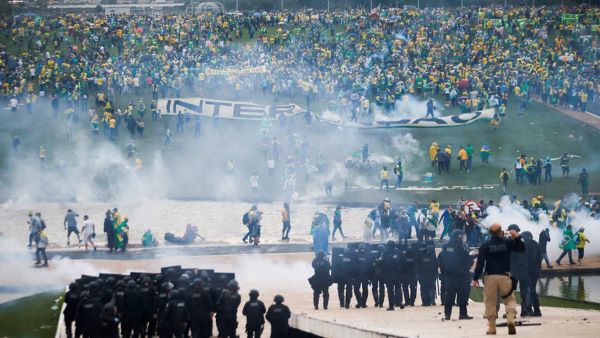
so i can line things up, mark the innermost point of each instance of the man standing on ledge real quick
(494, 254)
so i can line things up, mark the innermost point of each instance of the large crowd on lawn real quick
(352, 59)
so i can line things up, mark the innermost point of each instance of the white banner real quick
(244, 71)
(225, 109)
(443, 121)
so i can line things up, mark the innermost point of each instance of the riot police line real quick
(176, 302)
(390, 274)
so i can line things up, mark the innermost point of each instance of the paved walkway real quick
(585, 117)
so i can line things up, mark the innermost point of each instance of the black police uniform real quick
(408, 275)
(365, 271)
(200, 305)
(378, 279)
(148, 308)
(455, 263)
(391, 266)
(71, 304)
(87, 324)
(427, 271)
(519, 267)
(278, 315)
(132, 316)
(321, 281)
(254, 310)
(227, 307)
(345, 278)
(175, 317)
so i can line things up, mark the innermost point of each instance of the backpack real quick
(245, 219)
(576, 238)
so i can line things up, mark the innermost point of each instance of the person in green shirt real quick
(567, 245)
(469, 150)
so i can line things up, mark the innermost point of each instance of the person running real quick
(70, 224)
(88, 230)
(337, 223)
(285, 220)
(567, 245)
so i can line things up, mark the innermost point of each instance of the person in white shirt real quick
(13, 104)
(89, 232)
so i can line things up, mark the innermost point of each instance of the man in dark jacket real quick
(494, 256)
(364, 272)
(427, 271)
(455, 265)
(109, 229)
(519, 269)
(254, 310)
(534, 264)
(543, 242)
(321, 280)
(200, 305)
(278, 315)
(227, 307)
(132, 316)
(71, 304)
(175, 316)
(391, 262)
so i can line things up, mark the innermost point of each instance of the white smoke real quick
(507, 213)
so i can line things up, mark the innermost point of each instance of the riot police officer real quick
(175, 316)
(71, 304)
(427, 270)
(148, 307)
(227, 308)
(199, 303)
(391, 265)
(321, 280)
(345, 279)
(455, 263)
(278, 315)
(378, 281)
(132, 317)
(408, 276)
(364, 272)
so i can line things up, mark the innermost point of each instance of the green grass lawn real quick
(31, 317)
(477, 295)
(541, 131)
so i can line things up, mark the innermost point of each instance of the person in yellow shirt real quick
(433, 149)
(384, 175)
(581, 240)
(112, 127)
(463, 157)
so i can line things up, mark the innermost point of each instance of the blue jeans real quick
(399, 181)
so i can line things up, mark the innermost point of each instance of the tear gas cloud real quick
(507, 213)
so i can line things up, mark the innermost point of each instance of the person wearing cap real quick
(278, 316)
(580, 240)
(494, 258)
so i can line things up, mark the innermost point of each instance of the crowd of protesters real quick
(473, 57)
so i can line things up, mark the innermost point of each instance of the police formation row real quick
(166, 305)
(399, 268)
